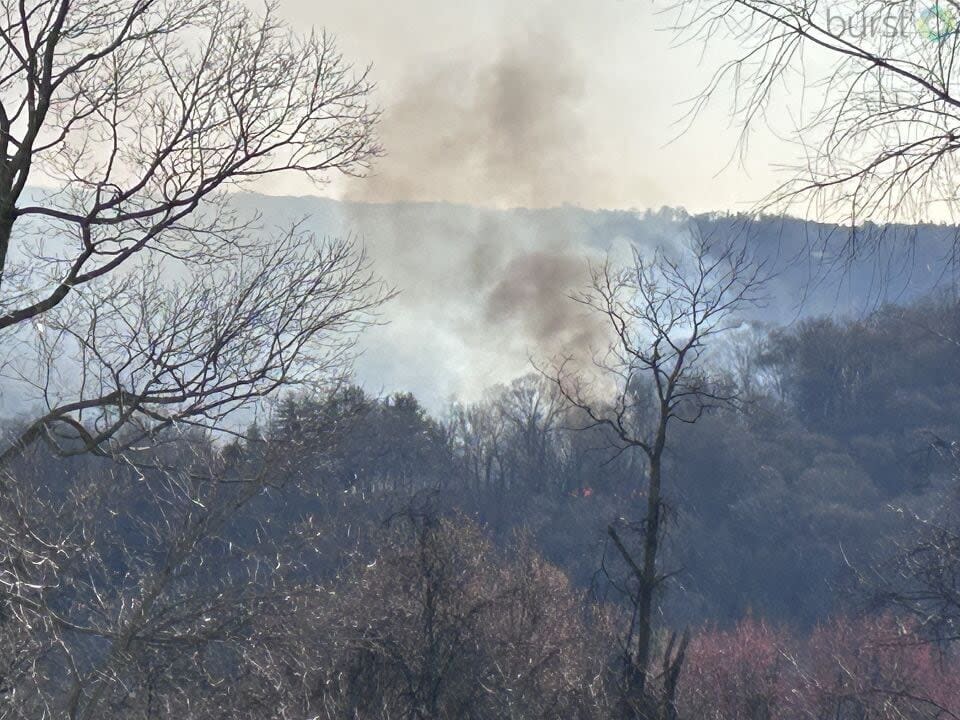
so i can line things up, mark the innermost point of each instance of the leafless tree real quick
(133, 294)
(511, 438)
(440, 624)
(130, 592)
(865, 89)
(921, 580)
(661, 313)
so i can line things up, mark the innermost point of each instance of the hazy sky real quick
(536, 104)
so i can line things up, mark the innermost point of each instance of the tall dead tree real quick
(134, 295)
(661, 313)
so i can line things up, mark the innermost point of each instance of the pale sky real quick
(539, 103)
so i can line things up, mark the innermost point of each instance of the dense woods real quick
(356, 556)
(686, 509)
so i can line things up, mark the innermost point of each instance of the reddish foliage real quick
(865, 669)
(875, 667)
(741, 673)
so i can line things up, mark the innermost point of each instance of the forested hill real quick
(786, 511)
(853, 378)
(483, 289)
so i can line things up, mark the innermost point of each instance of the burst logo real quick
(936, 23)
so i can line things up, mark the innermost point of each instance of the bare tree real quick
(866, 89)
(133, 294)
(441, 624)
(128, 590)
(921, 580)
(661, 313)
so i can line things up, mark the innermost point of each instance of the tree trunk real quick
(648, 579)
(644, 705)
(639, 703)
(7, 218)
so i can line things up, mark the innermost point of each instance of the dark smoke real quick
(511, 132)
(531, 298)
